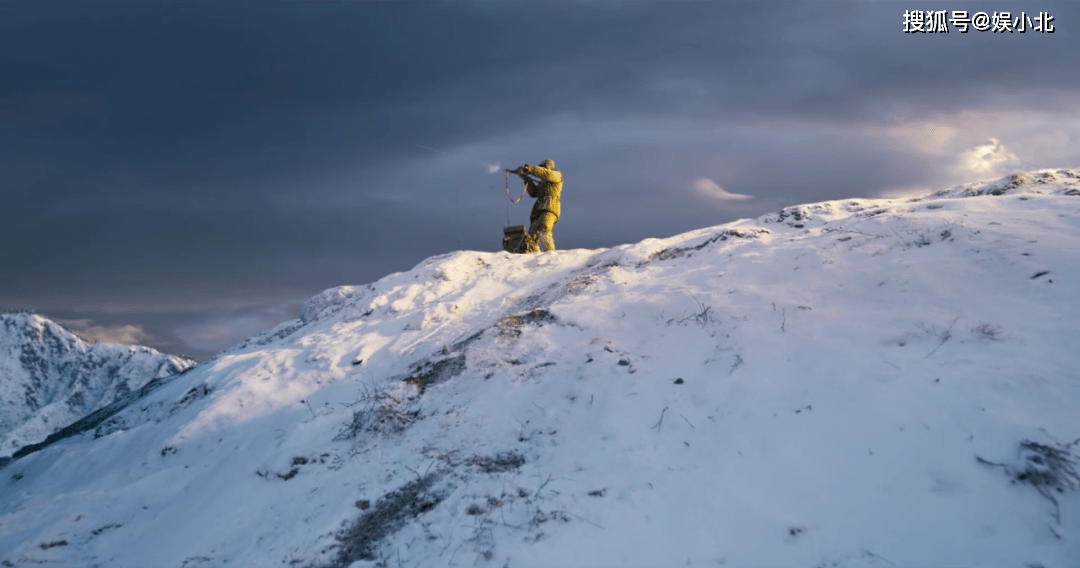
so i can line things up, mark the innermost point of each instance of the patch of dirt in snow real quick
(389, 514)
(511, 325)
(398, 508)
(505, 461)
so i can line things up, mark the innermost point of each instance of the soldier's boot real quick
(546, 242)
(530, 244)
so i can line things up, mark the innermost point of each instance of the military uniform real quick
(545, 211)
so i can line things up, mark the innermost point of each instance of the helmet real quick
(549, 164)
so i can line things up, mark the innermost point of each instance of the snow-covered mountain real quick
(863, 382)
(50, 378)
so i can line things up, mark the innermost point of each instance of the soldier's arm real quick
(543, 173)
(531, 186)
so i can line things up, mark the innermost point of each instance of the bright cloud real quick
(986, 158)
(125, 334)
(709, 188)
(491, 167)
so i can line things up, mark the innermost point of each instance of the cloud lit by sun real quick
(986, 158)
(709, 188)
(93, 333)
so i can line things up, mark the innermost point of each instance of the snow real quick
(51, 378)
(813, 387)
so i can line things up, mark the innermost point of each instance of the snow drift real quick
(848, 383)
(50, 378)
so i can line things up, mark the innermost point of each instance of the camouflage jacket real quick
(546, 192)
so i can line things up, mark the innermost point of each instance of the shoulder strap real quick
(512, 200)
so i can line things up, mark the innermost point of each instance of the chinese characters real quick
(931, 22)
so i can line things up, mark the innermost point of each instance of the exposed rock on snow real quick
(1044, 182)
(845, 383)
(50, 378)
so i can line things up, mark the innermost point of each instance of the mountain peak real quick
(845, 383)
(51, 377)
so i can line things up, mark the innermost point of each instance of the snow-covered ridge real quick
(50, 378)
(1039, 182)
(849, 383)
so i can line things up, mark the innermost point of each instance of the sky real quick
(184, 175)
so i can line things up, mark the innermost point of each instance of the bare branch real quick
(657, 425)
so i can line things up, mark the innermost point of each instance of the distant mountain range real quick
(49, 377)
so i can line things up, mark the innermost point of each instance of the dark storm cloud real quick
(192, 98)
(182, 158)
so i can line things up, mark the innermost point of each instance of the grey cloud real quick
(207, 154)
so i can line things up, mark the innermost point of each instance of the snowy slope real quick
(848, 383)
(50, 378)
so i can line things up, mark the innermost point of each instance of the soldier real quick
(545, 211)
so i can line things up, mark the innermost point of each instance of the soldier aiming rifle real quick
(546, 188)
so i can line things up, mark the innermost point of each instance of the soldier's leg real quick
(541, 229)
(547, 242)
(530, 244)
(547, 235)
